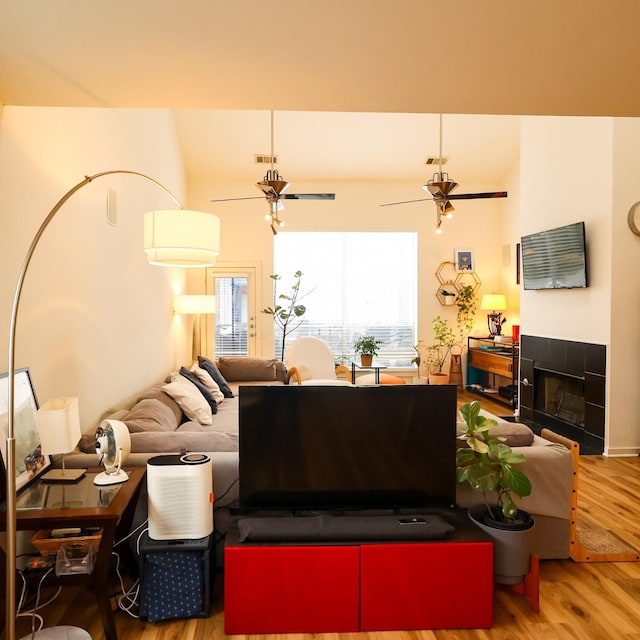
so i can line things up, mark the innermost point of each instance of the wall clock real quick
(635, 208)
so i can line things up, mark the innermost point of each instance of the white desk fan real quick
(113, 445)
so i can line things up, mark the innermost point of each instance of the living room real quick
(582, 150)
(96, 320)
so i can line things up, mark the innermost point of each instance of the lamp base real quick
(104, 478)
(63, 475)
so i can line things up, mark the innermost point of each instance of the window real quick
(353, 284)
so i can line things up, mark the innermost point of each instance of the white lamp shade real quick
(193, 304)
(59, 425)
(493, 302)
(181, 238)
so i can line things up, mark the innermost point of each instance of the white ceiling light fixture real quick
(440, 188)
(273, 186)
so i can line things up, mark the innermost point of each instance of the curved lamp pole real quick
(10, 442)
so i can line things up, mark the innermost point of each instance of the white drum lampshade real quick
(181, 238)
(59, 428)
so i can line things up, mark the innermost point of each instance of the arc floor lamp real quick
(172, 238)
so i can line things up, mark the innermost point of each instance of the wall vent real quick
(265, 158)
(435, 160)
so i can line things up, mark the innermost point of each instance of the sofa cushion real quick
(515, 434)
(206, 394)
(190, 401)
(207, 381)
(155, 392)
(244, 368)
(150, 414)
(213, 371)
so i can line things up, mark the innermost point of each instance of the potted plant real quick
(487, 464)
(466, 303)
(287, 311)
(438, 351)
(367, 347)
(449, 297)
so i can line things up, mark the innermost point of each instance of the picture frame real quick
(30, 461)
(463, 259)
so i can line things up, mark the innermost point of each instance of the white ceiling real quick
(343, 76)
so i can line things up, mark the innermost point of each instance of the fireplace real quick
(562, 388)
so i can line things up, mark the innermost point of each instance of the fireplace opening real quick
(559, 398)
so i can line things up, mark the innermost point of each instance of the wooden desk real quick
(40, 507)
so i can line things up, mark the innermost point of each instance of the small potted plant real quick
(438, 351)
(487, 464)
(449, 297)
(367, 347)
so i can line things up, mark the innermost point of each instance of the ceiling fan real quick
(440, 188)
(273, 187)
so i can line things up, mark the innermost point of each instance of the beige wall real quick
(95, 320)
(587, 169)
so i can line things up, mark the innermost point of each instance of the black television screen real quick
(343, 447)
(555, 258)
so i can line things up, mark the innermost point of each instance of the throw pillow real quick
(150, 414)
(206, 394)
(190, 401)
(246, 368)
(207, 381)
(515, 434)
(212, 370)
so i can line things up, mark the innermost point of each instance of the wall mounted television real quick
(555, 258)
(343, 447)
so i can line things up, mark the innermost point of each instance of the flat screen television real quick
(555, 258)
(347, 447)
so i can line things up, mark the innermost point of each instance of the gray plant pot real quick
(512, 543)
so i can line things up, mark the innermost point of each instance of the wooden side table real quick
(81, 504)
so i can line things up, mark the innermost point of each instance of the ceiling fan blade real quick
(391, 204)
(232, 199)
(477, 196)
(308, 196)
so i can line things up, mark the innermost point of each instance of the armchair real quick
(309, 361)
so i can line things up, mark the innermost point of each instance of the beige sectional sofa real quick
(160, 424)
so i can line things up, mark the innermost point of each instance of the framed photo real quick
(464, 260)
(30, 462)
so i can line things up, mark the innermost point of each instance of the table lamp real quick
(59, 429)
(496, 303)
(195, 305)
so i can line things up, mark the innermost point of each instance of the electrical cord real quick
(127, 600)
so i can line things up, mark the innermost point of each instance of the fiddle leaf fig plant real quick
(487, 464)
(287, 311)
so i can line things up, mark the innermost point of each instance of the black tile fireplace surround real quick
(562, 388)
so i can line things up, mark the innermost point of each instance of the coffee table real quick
(81, 504)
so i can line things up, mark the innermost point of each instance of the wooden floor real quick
(594, 601)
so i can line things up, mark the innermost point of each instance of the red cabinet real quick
(360, 587)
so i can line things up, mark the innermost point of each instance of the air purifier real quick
(180, 496)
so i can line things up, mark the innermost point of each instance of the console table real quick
(81, 504)
(488, 362)
(368, 586)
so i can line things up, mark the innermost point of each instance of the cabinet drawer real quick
(501, 365)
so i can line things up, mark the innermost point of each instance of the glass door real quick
(234, 332)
